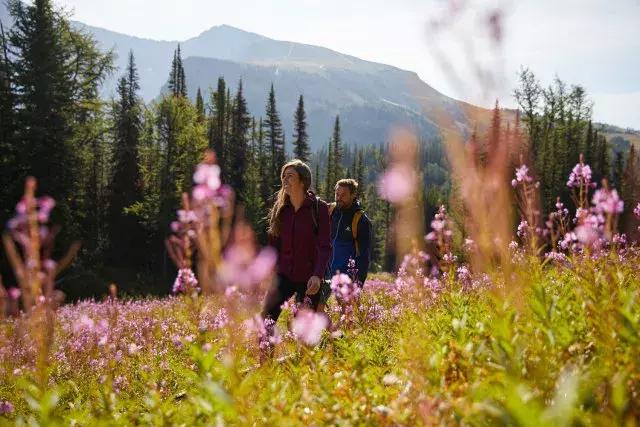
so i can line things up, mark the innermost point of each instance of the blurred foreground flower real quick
(308, 326)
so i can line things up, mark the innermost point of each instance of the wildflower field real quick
(543, 330)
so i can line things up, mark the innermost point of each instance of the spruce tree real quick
(8, 172)
(217, 121)
(125, 190)
(338, 152)
(200, 105)
(618, 170)
(57, 71)
(494, 137)
(264, 163)
(238, 143)
(177, 82)
(301, 138)
(275, 140)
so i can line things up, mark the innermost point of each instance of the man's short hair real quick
(351, 184)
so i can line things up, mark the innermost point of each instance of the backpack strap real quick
(354, 229)
(314, 214)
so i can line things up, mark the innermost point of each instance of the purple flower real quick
(186, 280)
(580, 175)
(556, 256)
(636, 211)
(397, 184)
(523, 229)
(6, 407)
(14, 293)
(308, 326)
(208, 175)
(607, 201)
(202, 192)
(522, 174)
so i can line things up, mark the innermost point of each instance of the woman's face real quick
(291, 182)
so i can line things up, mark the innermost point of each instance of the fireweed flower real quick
(244, 269)
(522, 175)
(185, 281)
(308, 326)
(580, 176)
(6, 407)
(607, 201)
(208, 175)
(397, 184)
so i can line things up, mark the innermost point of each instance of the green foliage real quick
(559, 350)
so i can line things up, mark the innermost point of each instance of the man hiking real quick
(350, 235)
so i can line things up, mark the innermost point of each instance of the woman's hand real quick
(313, 285)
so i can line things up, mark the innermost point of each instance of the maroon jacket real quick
(302, 252)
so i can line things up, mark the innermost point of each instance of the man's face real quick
(344, 197)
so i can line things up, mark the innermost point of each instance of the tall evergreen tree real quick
(200, 105)
(301, 138)
(275, 140)
(495, 131)
(56, 73)
(238, 143)
(217, 121)
(125, 184)
(338, 151)
(264, 163)
(177, 82)
(618, 170)
(8, 187)
(589, 145)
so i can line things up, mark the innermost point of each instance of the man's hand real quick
(313, 285)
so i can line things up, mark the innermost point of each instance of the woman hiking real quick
(299, 231)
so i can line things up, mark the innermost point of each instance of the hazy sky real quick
(595, 43)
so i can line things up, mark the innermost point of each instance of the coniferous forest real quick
(118, 166)
(502, 289)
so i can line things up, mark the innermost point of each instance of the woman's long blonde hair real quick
(304, 172)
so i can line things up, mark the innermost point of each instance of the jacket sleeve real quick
(274, 242)
(323, 243)
(364, 243)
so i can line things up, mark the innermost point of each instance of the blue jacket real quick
(343, 244)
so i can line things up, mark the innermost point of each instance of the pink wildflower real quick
(397, 184)
(308, 326)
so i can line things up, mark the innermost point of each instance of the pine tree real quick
(200, 106)
(494, 137)
(275, 140)
(238, 143)
(125, 188)
(603, 161)
(217, 121)
(618, 170)
(360, 175)
(589, 145)
(183, 140)
(264, 163)
(254, 206)
(177, 82)
(57, 71)
(338, 151)
(301, 138)
(8, 172)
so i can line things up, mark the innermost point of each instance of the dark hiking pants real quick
(281, 292)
